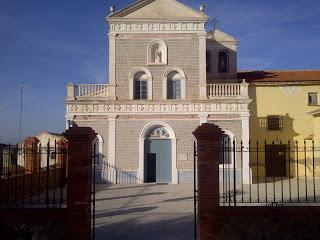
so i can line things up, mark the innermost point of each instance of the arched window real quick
(140, 85)
(174, 83)
(174, 86)
(208, 61)
(223, 63)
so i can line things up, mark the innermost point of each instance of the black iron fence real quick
(33, 176)
(269, 173)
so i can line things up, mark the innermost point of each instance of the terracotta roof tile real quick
(280, 76)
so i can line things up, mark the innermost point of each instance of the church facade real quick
(167, 75)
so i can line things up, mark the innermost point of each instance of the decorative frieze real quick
(152, 27)
(156, 108)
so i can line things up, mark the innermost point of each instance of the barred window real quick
(275, 122)
(313, 98)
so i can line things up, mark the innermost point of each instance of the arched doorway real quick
(157, 154)
(157, 159)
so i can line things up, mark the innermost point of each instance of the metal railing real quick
(227, 90)
(33, 176)
(280, 174)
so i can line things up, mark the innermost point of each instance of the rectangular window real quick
(140, 90)
(313, 98)
(174, 89)
(275, 122)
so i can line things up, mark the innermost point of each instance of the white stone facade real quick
(149, 43)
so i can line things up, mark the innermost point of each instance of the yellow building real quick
(285, 108)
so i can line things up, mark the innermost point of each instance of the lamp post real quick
(21, 105)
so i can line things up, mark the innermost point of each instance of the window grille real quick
(275, 122)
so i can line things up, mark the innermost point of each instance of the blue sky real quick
(46, 44)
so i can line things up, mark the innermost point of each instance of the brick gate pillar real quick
(79, 182)
(208, 140)
(33, 157)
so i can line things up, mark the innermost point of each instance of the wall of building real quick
(316, 128)
(128, 131)
(132, 50)
(291, 102)
(214, 47)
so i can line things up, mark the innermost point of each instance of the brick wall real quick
(129, 130)
(183, 52)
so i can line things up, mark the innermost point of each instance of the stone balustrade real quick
(87, 91)
(107, 91)
(227, 90)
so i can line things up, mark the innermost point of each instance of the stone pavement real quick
(147, 211)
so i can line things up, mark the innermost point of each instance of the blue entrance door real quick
(160, 149)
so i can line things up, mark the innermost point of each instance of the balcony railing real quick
(227, 90)
(107, 91)
(79, 91)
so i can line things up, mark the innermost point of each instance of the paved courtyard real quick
(148, 211)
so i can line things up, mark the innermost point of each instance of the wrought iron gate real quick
(95, 161)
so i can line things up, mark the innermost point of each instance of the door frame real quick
(273, 163)
(142, 137)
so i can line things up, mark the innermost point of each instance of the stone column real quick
(247, 174)
(79, 182)
(202, 65)
(208, 141)
(33, 158)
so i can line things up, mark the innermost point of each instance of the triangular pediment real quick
(158, 9)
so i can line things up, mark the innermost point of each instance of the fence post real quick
(32, 155)
(79, 182)
(208, 141)
(1, 162)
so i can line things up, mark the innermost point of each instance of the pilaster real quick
(112, 148)
(112, 63)
(247, 174)
(202, 66)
